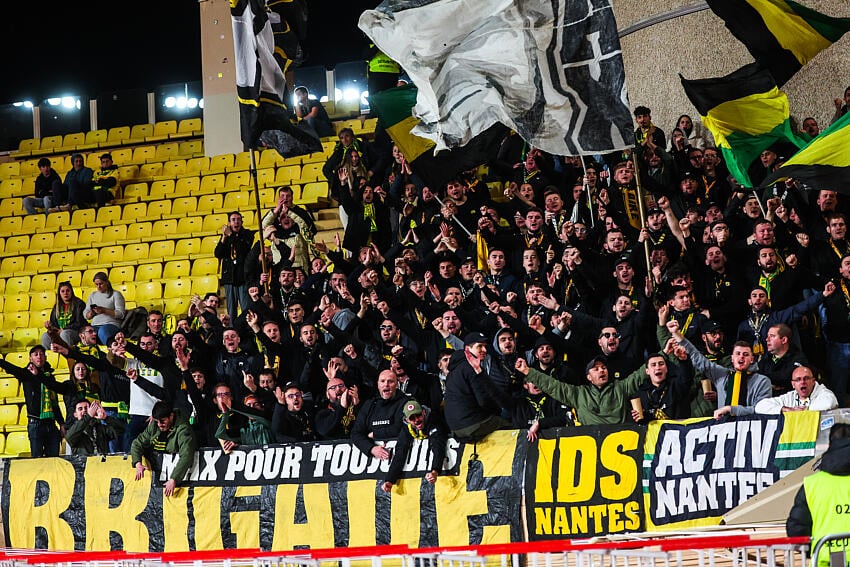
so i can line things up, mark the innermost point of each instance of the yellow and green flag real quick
(824, 163)
(747, 114)
(780, 34)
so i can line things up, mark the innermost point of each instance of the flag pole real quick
(589, 196)
(641, 207)
(453, 218)
(252, 155)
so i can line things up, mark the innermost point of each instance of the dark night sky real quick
(98, 46)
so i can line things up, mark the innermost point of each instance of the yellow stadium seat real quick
(9, 388)
(83, 218)
(60, 260)
(167, 151)
(122, 274)
(139, 133)
(187, 186)
(156, 209)
(9, 414)
(117, 136)
(183, 206)
(209, 242)
(41, 300)
(11, 265)
(11, 206)
(177, 306)
(35, 263)
(18, 284)
(173, 168)
(12, 187)
(209, 203)
(49, 145)
(136, 252)
(211, 184)
(196, 166)
(248, 217)
(187, 248)
(5, 335)
(213, 223)
(160, 189)
(265, 178)
(73, 141)
(109, 255)
(148, 272)
(162, 130)
(314, 193)
(287, 174)
(15, 320)
(85, 257)
(26, 337)
(161, 250)
(135, 192)
(188, 226)
(92, 160)
(150, 171)
(43, 282)
(65, 239)
(178, 287)
(202, 285)
(88, 237)
(191, 148)
(237, 180)
(142, 155)
(73, 276)
(241, 162)
(238, 201)
(33, 223)
(26, 147)
(114, 234)
(41, 242)
(94, 139)
(177, 269)
(128, 290)
(312, 172)
(23, 420)
(134, 212)
(220, 163)
(149, 293)
(10, 169)
(189, 127)
(17, 444)
(10, 226)
(17, 244)
(268, 195)
(139, 231)
(109, 215)
(166, 228)
(88, 279)
(13, 302)
(269, 158)
(128, 173)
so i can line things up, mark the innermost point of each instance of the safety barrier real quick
(838, 544)
(680, 551)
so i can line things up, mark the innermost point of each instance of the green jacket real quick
(180, 439)
(594, 406)
(89, 436)
(258, 430)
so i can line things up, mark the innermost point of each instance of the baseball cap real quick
(473, 338)
(412, 408)
(598, 358)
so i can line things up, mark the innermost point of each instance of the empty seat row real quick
(118, 136)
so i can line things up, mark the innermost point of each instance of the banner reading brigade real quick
(305, 495)
(697, 470)
(585, 482)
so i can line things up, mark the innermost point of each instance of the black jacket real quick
(437, 433)
(233, 250)
(382, 418)
(470, 398)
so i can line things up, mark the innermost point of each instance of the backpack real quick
(135, 323)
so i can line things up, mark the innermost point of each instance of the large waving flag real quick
(260, 83)
(393, 108)
(551, 70)
(824, 163)
(780, 34)
(745, 112)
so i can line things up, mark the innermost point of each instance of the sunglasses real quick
(610, 335)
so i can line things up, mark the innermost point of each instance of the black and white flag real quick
(551, 70)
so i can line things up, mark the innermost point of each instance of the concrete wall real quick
(699, 46)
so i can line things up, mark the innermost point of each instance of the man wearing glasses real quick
(619, 365)
(292, 420)
(336, 419)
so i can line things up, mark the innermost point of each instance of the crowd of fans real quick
(583, 294)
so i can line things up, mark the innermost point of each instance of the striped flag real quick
(782, 35)
(746, 112)
(824, 163)
(260, 84)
